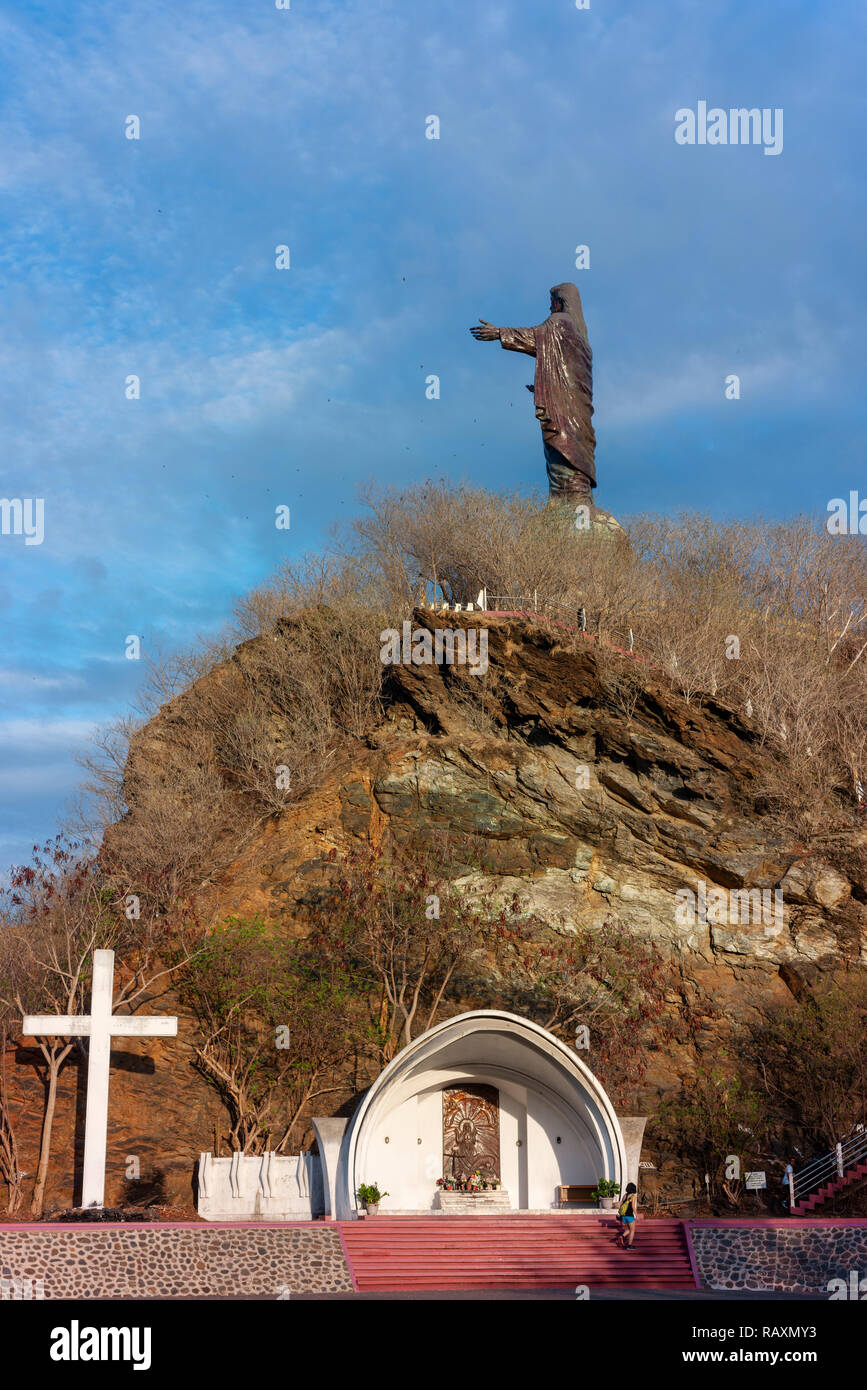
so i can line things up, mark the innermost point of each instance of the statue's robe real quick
(563, 392)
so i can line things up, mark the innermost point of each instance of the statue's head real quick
(565, 299)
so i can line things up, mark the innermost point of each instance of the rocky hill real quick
(673, 798)
(592, 795)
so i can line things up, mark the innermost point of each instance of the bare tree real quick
(396, 922)
(58, 912)
(10, 1168)
(275, 1026)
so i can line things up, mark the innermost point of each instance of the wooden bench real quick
(572, 1192)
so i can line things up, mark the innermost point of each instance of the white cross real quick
(100, 1026)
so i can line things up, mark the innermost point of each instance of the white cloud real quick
(44, 735)
(31, 680)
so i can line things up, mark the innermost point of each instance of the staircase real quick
(395, 1253)
(852, 1175)
(844, 1167)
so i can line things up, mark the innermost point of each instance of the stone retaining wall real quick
(267, 1261)
(790, 1257)
(174, 1261)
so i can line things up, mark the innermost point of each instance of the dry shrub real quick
(245, 742)
(811, 1056)
(622, 679)
(299, 693)
(478, 698)
(343, 583)
(452, 542)
(182, 820)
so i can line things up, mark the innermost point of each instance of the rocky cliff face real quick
(591, 797)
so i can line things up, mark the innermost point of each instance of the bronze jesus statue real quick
(562, 391)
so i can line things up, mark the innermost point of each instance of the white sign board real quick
(754, 1181)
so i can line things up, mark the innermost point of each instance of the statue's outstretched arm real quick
(519, 340)
(485, 332)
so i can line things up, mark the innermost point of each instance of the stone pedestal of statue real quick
(585, 519)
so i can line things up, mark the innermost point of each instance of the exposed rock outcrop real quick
(586, 805)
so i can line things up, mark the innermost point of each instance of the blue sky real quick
(306, 127)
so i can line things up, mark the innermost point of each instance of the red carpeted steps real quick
(391, 1253)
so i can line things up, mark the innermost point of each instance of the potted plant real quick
(370, 1197)
(606, 1193)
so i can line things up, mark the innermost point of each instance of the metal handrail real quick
(844, 1155)
(820, 1163)
(518, 600)
(855, 1142)
(831, 1157)
(512, 603)
(804, 1185)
